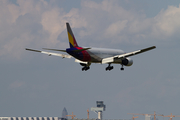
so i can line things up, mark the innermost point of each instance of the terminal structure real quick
(99, 109)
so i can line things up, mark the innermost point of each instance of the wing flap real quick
(79, 61)
(50, 53)
(107, 60)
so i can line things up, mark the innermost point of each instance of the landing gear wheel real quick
(109, 67)
(122, 68)
(85, 68)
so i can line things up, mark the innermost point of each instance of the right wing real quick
(135, 52)
(111, 59)
(50, 53)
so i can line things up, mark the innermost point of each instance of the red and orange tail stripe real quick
(72, 40)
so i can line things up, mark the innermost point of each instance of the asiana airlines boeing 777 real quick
(87, 55)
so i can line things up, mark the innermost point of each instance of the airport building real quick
(30, 118)
(100, 107)
(48, 118)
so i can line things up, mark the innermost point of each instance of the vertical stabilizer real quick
(72, 40)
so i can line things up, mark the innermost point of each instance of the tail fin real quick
(72, 40)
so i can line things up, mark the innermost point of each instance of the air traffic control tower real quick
(99, 109)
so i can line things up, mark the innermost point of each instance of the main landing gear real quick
(122, 68)
(85, 68)
(109, 67)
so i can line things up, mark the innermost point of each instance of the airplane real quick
(87, 55)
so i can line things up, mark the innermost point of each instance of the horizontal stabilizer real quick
(81, 49)
(108, 60)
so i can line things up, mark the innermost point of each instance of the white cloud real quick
(39, 23)
(53, 23)
(167, 22)
(16, 27)
(116, 28)
(30, 23)
(121, 25)
(16, 84)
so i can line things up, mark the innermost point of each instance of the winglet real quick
(146, 49)
(32, 50)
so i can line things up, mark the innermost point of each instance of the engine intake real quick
(127, 61)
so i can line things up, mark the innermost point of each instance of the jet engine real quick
(127, 61)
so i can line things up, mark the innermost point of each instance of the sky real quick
(35, 85)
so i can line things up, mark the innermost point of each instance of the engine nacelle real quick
(127, 61)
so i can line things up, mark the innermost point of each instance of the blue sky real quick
(34, 84)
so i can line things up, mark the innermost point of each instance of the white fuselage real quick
(97, 54)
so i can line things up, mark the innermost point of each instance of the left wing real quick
(111, 59)
(50, 53)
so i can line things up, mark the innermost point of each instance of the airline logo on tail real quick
(72, 40)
